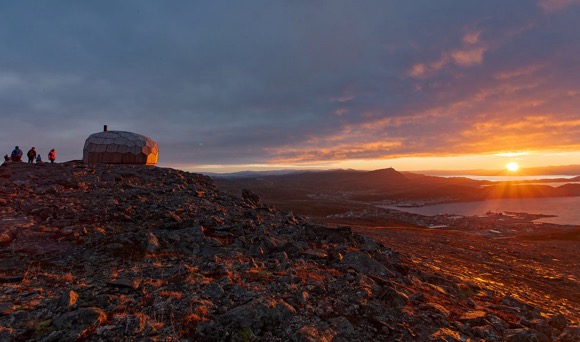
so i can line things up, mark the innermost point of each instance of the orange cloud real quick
(521, 133)
(468, 57)
(471, 37)
(556, 5)
(470, 54)
(528, 70)
(418, 70)
(502, 89)
(346, 96)
(335, 153)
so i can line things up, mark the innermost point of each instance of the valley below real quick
(509, 252)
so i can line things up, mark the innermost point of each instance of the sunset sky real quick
(255, 85)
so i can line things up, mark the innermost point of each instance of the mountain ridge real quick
(391, 185)
(568, 170)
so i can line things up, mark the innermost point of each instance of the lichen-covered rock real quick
(570, 334)
(446, 335)
(558, 321)
(259, 315)
(77, 323)
(487, 333)
(6, 334)
(69, 299)
(525, 335)
(474, 318)
(363, 263)
(6, 308)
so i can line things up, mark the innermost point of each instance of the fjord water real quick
(566, 208)
(514, 178)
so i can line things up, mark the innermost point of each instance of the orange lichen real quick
(172, 294)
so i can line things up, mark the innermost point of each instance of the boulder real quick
(78, 322)
(259, 315)
(364, 263)
(525, 335)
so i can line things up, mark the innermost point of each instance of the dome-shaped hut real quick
(119, 147)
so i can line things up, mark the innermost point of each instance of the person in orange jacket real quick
(52, 155)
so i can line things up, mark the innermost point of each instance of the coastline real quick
(553, 210)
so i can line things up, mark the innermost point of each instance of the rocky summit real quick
(138, 253)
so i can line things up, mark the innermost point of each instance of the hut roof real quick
(120, 147)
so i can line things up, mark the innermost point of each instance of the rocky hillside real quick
(142, 253)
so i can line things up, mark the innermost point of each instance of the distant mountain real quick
(389, 175)
(384, 185)
(246, 174)
(334, 180)
(569, 190)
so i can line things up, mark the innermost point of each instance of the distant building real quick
(119, 147)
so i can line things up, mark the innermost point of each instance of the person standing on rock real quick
(52, 156)
(31, 155)
(16, 154)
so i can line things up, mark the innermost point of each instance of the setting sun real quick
(512, 166)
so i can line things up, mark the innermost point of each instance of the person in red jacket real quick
(52, 155)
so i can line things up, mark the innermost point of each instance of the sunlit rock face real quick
(118, 147)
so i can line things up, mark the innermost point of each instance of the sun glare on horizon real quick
(512, 166)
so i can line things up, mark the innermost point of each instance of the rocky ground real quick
(543, 273)
(144, 253)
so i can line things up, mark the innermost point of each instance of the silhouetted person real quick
(52, 155)
(16, 154)
(38, 159)
(31, 155)
(6, 158)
